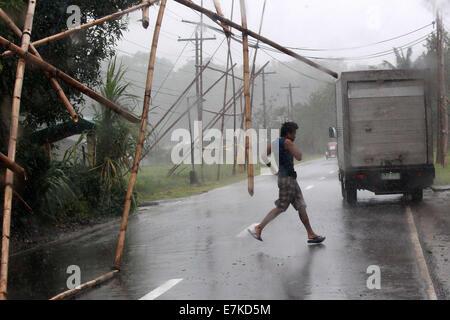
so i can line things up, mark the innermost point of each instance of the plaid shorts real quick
(289, 193)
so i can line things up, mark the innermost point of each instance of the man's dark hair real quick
(288, 127)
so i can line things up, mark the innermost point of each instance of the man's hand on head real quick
(293, 149)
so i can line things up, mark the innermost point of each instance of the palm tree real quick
(116, 138)
(402, 61)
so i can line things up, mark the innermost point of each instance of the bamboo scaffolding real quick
(182, 115)
(11, 165)
(9, 179)
(90, 284)
(178, 99)
(63, 34)
(18, 197)
(66, 33)
(53, 81)
(221, 71)
(214, 16)
(248, 110)
(225, 28)
(145, 15)
(68, 79)
(223, 114)
(215, 119)
(141, 139)
(256, 53)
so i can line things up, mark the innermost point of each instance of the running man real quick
(289, 190)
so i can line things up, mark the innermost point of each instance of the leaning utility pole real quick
(264, 96)
(291, 101)
(442, 136)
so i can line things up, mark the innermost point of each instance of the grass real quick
(442, 174)
(153, 184)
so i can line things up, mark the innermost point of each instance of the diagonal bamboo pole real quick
(141, 139)
(256, 53)
(248, 111)
(9, 179)
(68, 79)
(178, 100)
(216, 118)
(53, 81)
(86, 285)
(214, 16)
(225, 28)
(11, 165)
(183, 114)
(64, 34)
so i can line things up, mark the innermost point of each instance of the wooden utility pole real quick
(442, 136)
(264, 96)
(290, 101)
(9, 179)
(198, 40)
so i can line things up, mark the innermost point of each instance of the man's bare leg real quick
(269, 217)
(305, 220)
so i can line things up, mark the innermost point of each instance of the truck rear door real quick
(387, 123)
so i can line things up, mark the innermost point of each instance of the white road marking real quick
(309, 187)
(323, 178)
(244, 232)
(333, 171)
(422, 264)
(161, 289)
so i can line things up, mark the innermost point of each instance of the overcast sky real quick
(323, 24)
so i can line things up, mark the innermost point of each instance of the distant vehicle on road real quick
(384, 133)
(331, 150)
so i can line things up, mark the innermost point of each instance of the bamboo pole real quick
(11, 165)
(89, 284)
(248, 111)
(232, 101)
(145, 15)
(214, 16)
(141, 139)
(221, 71)
(118, 14)
(18, 197)
(225, 28)
(182, 115)
(223, 115)
(178, 99)
(256, 53)
(9, 179)
(68, 79)
(53, 81)
(66, 33)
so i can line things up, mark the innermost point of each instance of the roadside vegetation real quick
(442, 174)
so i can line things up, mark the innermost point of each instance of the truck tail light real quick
(420, 174)
(360, 176)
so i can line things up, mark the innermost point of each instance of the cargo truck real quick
(384, 133)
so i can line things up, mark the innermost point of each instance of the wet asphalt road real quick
(203, 241)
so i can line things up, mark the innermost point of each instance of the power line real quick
(364, 46)
(295, 70)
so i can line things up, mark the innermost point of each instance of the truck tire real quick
(417, 195)
(349, 193)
